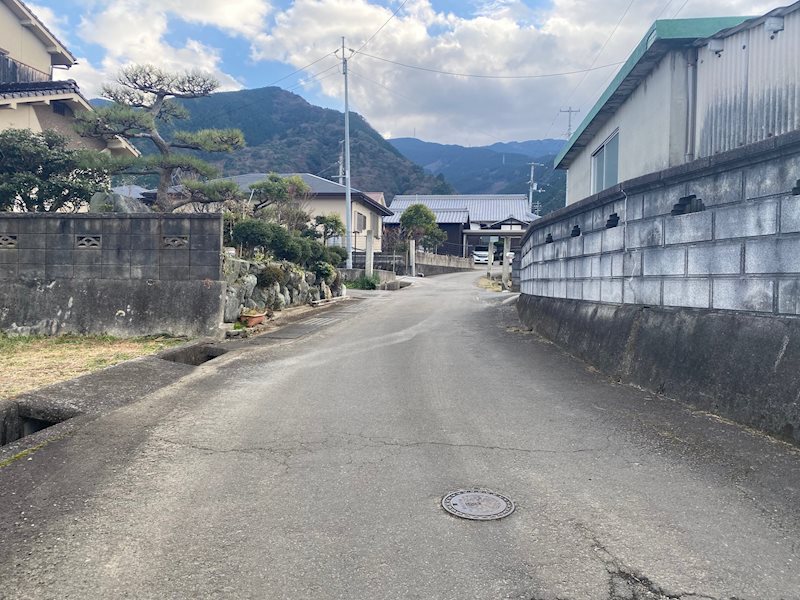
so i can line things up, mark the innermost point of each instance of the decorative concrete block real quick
(772, 256)
(637, 290)
(789, 297)
(772, 177)
(790, 214)
(715, 259)
(645, 233)
(692, 293)
(722, 188)
(747, 220)
(683, 229)
(744, 294)
(611, 290)
(613, 239)
(664, 261)
(660, 202)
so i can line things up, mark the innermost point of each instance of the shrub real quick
(252, 233)
(325, 271)
(364, 283)
(271, 275)
(336, 255)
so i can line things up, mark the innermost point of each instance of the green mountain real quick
(502, 168)
(284, 133)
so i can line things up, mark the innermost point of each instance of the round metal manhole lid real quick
(477, 504)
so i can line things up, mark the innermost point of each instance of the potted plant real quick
(251, 317)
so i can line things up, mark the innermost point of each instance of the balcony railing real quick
(12, 71)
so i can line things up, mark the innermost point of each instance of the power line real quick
(680, 9)
(479, 76)
(597, 56)
(311, 64)
(315, 77)
(394, 14)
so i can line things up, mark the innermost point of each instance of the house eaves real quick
(663, 36)
(59, 55)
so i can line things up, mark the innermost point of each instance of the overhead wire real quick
(394, 14)
(597, 56)
(483, 76)
(682, 6)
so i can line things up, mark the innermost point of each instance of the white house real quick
(692, 88)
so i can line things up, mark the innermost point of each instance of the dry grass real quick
(30, 362)
(492, 286)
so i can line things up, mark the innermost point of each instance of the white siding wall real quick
(749, 91)
(20, 43)
(652, 128)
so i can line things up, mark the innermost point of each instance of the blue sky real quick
(253, 43)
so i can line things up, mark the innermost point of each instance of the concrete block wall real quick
(122, 274)
(741, 253)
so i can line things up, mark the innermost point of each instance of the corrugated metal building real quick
(692, 88)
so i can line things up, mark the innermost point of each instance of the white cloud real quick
(500, 37)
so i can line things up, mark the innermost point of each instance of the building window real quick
(605, 164)
(361, 222)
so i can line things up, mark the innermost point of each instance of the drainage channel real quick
(17, 422)
(195, 355)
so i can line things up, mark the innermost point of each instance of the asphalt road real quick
(314, 469)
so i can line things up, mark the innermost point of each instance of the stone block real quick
(664, 261)
(660, 202)
(598, 218)
(88, 271)
(575, 290)
(789, 297)
(59, 257)
(683, 229)
(88, 256)
(575, 246)
(559, 289)
(146, 242)
(174, 273)
(115, 271)
(790, 214)
(637, 290)
(205, 242)
(9, 225)
(773, 177)
(58, 225)
(715, 259)
(59, 241)
(692, 293)
(117, 226)
(208, 272)
(594, 265)
(613, 239)
(592, 242)
(144, 272)
(617, 264)
(772, 256)
(59, 271)
(635, 207)
(611, 290)
(28, 271)
(113, 241)
(206, 226)
(642, 234)
(144, 258)
(116, 256)
(141, 225)
(591, 290)
(722, 188)
(176, 226)
(9, 256)
(605, 265)
(746, 220)
(8, 271)
(87, 226)
(583, 268)
(31, 225)
(31, 256)
(32, 240)
(175, 257)
(632, 264)
(743, 294)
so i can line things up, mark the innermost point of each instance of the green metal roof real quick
(661, 37)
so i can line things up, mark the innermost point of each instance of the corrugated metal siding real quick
(482, 208)
(750, 91)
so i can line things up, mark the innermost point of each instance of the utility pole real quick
(348, 222)
(569, 112)
(532, 187)
(341, 163)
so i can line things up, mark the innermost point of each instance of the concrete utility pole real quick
(341, 163)
(348, 222)
(532, 187)
(569, 112)
(369, 263)
(506, 264)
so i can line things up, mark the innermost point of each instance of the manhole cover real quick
(479, 505)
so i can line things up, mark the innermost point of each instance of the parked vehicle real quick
(480, 255)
